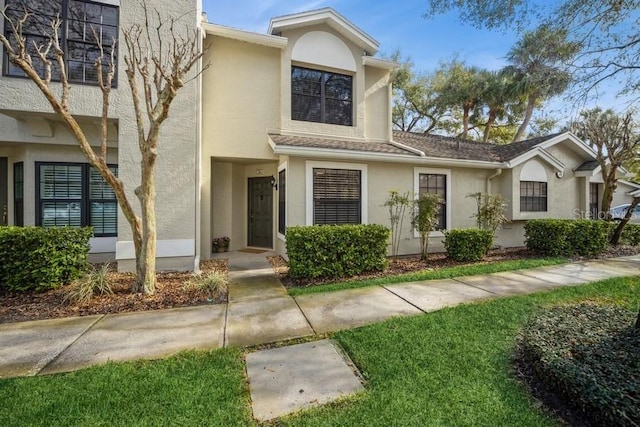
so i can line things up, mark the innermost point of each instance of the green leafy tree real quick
(605, 30)
(460, 86)
(538, 63)
(490, 211)
(424, 218)
(397, 204)
(415, 101)
(500, 98)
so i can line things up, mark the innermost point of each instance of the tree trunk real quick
(609, 188)
(146, 257)
(615, 237)
(527, 118)
(465, 121)
(487, 126)
(638, 321)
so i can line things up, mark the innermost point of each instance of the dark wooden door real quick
(260, 232)
(4, 191)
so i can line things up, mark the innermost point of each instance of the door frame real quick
(265, 179)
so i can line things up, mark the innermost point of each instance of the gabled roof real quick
(336, 144)
(329, 17)
(588, 166)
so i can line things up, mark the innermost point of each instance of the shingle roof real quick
(456, 148)
(588, 166)
(335, 144)
(436, 146)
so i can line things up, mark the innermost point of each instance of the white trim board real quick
(164, 249)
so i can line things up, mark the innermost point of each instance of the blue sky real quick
(399, 24)
(393, 24)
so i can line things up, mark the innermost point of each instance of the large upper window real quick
(75, 194)
(435, 183)
(81, 22)
(321, 96)
(533, 196)
(337, 196)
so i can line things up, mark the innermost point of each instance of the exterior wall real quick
(371, 99)
(31, 122)
(378, 104)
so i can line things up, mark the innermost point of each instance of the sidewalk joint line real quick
(403, 299)
(474, 286)
(302, 311)
(41, 365)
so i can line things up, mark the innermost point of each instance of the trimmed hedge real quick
(566, 237)
(467, 244)
(631, 235)
(336, 250)
(587, 354)
(37, 258)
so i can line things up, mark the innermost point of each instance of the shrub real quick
(631, 235)
(336, 250)
(210, 284)
(468, 244)
(424, 218)
(490, 211)
(37, 258)
(95, 282)
(566, 237)
(587, 354)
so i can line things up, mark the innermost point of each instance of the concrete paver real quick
(147, 335)
(287, 379)
(257, 288)
(591, 272)
(435, 294)
(552, 275)
(27, 347)
(263, 321)
(507, 283)
(618, 267)
(333, 311)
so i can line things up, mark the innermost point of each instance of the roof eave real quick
(337, 154)
(245, 36)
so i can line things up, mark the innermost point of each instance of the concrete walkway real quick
(260, 311)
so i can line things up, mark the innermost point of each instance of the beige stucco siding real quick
(241, 99)
(377, 104)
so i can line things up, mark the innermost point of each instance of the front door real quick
(4, 191)
(260, 233)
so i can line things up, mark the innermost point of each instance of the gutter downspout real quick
(198, 153)
(498, 173)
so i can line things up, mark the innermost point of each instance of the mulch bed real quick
(409, 264)
(21, 306)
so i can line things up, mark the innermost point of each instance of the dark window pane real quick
(320, 96)
(18, 194)
(282, 194)
(430, 183)
(533, 196)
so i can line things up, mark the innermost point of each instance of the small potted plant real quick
(220, 244)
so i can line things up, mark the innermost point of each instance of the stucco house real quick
(291, 127)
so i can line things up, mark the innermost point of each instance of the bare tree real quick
(615, 141)
(159, 60)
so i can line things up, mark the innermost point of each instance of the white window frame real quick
(282, 166)
(364, 199)
(416, 192)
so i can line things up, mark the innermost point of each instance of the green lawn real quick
(450, 367)
(443, 273)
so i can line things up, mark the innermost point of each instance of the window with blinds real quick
(337, 196)
(533, 196)
(82, 21)
(282, 201)
(75, 195)
(321, 96)
(432, 183)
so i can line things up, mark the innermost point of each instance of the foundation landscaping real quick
(568, 355)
